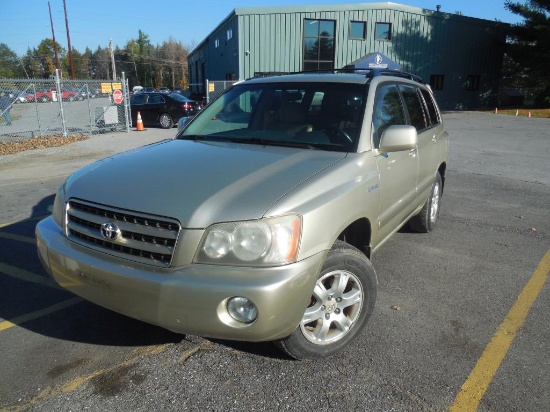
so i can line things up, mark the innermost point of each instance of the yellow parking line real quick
(38, 314)
(26, 239)
(26, 276)
(77, 382)
(487, 365)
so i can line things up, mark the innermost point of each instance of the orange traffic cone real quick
(139, 123)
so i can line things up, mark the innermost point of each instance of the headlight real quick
(265, 242)
(58, 211)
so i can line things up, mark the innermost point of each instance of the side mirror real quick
(397, 138)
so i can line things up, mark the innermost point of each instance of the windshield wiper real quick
(268, 142)
(195, 137)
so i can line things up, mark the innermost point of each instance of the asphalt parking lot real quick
(461, 321)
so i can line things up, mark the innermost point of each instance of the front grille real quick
(134, 236)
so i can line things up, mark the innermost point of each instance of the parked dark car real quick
(162, 109)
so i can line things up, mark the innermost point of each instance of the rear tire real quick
(166, 121)
(342, 302)
(425, 221)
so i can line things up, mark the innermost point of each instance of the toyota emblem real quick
(110, 231)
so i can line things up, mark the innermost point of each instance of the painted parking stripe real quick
(487, 365)
(77, 382)
(39, 313)
(26, 276)
(19, 238)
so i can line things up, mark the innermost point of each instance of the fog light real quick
(242, 309)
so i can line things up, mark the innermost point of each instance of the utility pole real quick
(112, 58)
(54, 42)
(69, 40)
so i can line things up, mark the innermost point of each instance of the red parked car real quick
(47, 95)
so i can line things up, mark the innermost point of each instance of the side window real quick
(432, 110)
(414, 107)
(139, 99)
(155, 99)
(387, 111)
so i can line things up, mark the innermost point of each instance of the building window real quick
(382, 31)
(472, 82)
(357, 30)
(217, 43)
(229, 34)
(436, 81)
(319, 45)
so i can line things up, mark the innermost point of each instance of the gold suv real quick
(258, 220)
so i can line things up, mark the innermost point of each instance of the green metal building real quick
(461, 57)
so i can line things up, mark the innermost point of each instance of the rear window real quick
(179, 97)
(433, 114)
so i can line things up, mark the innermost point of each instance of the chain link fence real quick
(44, 107)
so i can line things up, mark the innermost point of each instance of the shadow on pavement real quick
(26, 288)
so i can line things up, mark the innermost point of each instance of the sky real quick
(93, 23)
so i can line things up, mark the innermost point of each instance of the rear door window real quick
(414, 105)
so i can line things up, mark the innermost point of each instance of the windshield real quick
(311, 115)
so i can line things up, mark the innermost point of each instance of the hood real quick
(198, 183)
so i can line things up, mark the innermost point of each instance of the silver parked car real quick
(257, 222)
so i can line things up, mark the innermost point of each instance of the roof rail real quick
(370, 73)
(397, 73)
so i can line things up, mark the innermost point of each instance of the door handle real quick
(434, 138)
(412, 152)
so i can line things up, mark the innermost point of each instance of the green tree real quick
(77, 64)
(32, 64)
(100, 63)
(10, 65)
(132, 55)
(529, 41)
(85, 71)
(45, 54)
(145, 49)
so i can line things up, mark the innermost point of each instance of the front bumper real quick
(189, 299)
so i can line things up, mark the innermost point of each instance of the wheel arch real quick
(358, 234)
(442, 169)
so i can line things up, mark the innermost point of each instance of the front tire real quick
(341, 304)
(425, 221)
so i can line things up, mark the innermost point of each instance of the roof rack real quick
(397, 73)
(370, 73)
